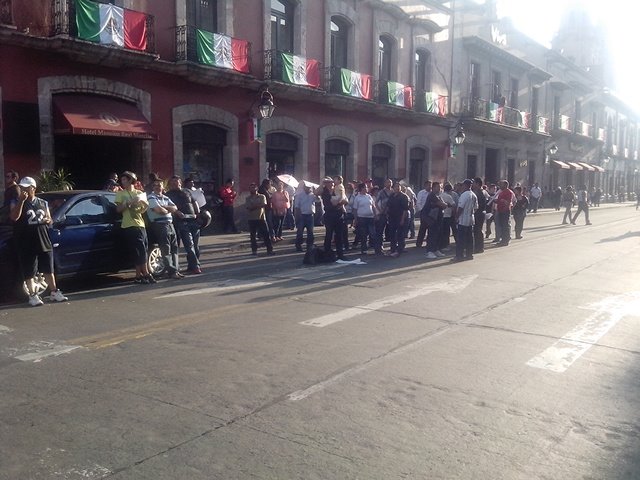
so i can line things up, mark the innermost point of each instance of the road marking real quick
(453, 285)
(575, 343)
(51, 350)
(219, 287)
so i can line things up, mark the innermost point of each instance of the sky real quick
(540, 20)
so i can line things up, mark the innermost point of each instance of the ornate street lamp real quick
(266, 105)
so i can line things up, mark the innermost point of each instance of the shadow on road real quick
(624, 236)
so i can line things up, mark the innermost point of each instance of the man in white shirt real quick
(467, 205)
(535, 194)
(420, 202)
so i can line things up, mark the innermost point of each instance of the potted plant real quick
(52, 180)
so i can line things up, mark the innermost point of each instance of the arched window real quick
(282, 25)
(423, 71)
(203, 148)
(418, 167)
(281, 154)
(335, 157)
(339, 42)
(380, 161)
(385, 49)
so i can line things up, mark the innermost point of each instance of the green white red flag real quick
(356, 84)
(222, 51)
(300, 71)
(400, 95)
(110, 25)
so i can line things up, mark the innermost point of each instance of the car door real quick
(84, 237)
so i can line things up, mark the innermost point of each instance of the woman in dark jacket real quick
(519, 210)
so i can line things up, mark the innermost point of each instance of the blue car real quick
(85, 234)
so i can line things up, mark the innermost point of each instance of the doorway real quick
(90, 159)
(491, 170)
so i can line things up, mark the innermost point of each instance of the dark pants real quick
(228, 222)
(422, 231)
(504, 225)
(278, 222)
(165, 236)
(366, 227)
(582, 207)
(433, 236)
(533, 206)
(489, 222)
(305, 221)
(189, 234)
(381, 227)
(518, 220)
(397, 236)
(259, 227)
(333, 224)
(478, 236)
(464, 242)
(448, 227)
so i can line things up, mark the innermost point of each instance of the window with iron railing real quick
(350, 83)
(293, 69)
(214, 49)
(103, 23)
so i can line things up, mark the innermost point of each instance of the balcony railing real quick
(485, 110)
(63, 22)
(349, 83)
(5, 12)
(294, 69)
(214, 49)
(543, 125)
(564, 123)
(394, 93)
(584, 129)
(431, 102)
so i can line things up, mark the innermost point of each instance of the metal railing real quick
(430, 102)
(274, 69)
(584, 129)
(187, 45)
(493, 112)
(63, 22)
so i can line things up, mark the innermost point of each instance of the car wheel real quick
(156, 262)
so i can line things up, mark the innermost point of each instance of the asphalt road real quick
(521, 364)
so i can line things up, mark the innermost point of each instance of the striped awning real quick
(598, 168)
(587, 166)
(560, 164)
(575, 166)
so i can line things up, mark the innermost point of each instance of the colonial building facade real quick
(362, 88)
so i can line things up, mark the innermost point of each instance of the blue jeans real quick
(305, 221)
(397, 234)
(189, 233)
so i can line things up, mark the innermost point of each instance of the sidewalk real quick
(235, 242)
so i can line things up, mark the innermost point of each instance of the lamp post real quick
(266, 105)
(454, 142)
(551, 150)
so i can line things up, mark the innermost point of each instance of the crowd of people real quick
(382, 218)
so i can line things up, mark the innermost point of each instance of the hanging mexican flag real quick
(543, 124)
(110, 25)
(356, 84)
(222, 51)
(495, 112)
(524, 119)
(565, 122)
(400, 95)
(300, 70)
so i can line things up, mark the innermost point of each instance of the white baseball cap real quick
(27, 182)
